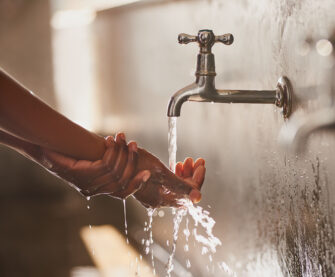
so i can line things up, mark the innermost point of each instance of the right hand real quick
(164, 188)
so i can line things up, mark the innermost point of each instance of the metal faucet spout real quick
(203, 89)
(179, 98)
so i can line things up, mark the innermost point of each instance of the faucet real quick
(203, 89)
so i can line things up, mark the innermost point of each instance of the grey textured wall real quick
(274, 210)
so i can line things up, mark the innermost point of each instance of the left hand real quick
(112, 175)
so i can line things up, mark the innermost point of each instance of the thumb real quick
(140, 178)
(55, 161)
(195, 196)
(134, 185)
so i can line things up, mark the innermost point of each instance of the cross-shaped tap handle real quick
(205, 39)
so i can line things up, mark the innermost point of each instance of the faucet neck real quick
(205, 65)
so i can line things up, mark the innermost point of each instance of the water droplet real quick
(204, 250)
(188, 263)
(147, 250)
(161, 213)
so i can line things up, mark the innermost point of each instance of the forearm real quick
(27, 149)
(25, 116)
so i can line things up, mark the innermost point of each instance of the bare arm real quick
(27, 117)
(91, 163)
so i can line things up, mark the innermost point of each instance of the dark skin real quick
(89, 162)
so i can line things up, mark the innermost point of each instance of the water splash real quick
(202, 218)
(150, 241)
(187, 235)
(178, 217)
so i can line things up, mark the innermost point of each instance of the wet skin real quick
(93, 164)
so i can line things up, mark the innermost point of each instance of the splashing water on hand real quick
(201, 218)
(177, 219)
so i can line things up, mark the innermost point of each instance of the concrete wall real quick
(274, 210)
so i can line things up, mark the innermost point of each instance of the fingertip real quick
(199, 162)
(120, 137)
(195, 196)
(179, 169)
(132, 146)
(188, 167)
(188, 160)
(109, 140)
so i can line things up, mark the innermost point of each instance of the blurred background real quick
(112, 65)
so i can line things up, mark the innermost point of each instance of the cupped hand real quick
(115, 174)
(194, 174)
(166, 189)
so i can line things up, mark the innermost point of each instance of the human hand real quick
(193, 173)
(114, 174)
(127, 170)
(165, 188)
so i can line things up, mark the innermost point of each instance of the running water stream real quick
(203, 223)
(172, 141)
(179, 214)
(201, 217)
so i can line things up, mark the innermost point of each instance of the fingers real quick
(188, 168)
(109, 141)
(199, 162)
(111, 153)
(120, 161)
(179, 169)
(122, 156)
(199, 176)
(130, 166)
